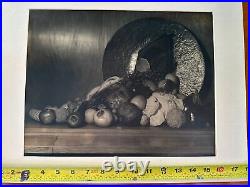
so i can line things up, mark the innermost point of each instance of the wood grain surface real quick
(91, 140)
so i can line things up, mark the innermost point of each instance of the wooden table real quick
(59, 140)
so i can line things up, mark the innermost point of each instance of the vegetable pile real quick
(142, 99)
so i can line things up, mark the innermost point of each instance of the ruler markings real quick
(165, 173)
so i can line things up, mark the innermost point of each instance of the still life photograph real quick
(128, 83)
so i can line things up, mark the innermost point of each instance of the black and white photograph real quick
(126, 83)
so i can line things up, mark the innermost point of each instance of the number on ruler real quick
(246, 168)
(72, 172)
(220, 169)
(234, 168)
(43, 172)
(178, 170)
(192, 170)
(57, 172)
(207, 170)
(12, 172)
(87, 171)
(163, 170)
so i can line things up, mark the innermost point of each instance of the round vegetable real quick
(74, 120)
(47, 116)
(116, 97)
(176, 118)
(103, 118)
(129, 114)
(142, 65)
(89, 115)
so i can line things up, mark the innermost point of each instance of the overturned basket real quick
(149, 38)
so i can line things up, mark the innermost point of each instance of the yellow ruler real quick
(153, 174)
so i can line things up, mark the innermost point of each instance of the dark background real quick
(65, 49)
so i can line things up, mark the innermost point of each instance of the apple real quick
(47, 116)
(89, 115)
(103, 118)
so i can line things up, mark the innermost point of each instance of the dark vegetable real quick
(129, 114)
(75, 120)
(117, 97)
(47, 116)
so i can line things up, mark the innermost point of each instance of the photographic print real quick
(125, 83)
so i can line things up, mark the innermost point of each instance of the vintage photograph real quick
(119, 83)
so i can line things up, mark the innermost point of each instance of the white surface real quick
(231, 132)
